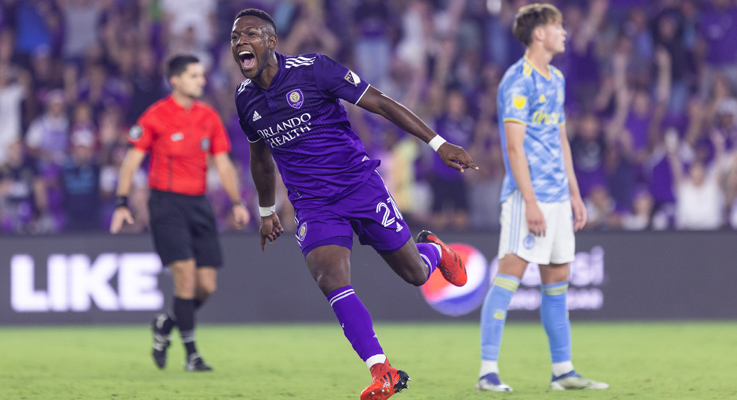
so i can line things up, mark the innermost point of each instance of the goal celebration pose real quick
(289, 107)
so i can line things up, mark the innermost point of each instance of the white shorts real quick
(558, 246)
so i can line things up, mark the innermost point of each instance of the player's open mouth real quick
(247, 59)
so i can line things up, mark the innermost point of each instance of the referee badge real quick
(135, 132)
(205, 144)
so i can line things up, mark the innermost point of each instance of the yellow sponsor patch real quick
(519, 101)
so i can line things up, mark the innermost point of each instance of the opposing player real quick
(180, 133)
(541, 204)
(289, 107)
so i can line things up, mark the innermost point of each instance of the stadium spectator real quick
(699, 198)
(48, 135)
(80, 178)
(22, 193)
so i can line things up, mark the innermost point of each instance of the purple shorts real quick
(370, 211)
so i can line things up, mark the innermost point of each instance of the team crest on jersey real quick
(519, 101)
(528, 242)
(205, 144)
(302, 232)
(295, 98)
(135, 132)
(352, 78)
(177, 137)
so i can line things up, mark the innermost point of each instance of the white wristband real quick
(266, 211)
(436, 142)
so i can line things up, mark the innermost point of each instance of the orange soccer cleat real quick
(385, 382)
(451, 265)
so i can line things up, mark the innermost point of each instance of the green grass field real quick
(685, 360)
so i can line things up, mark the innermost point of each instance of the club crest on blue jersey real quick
(529, 242)
(295, 98)
(352, 78)
(205, 144)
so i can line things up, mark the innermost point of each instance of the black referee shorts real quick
(184, 227)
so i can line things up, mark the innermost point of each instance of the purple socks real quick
(430, 254)
(355, 321)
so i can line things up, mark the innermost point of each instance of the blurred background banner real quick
(616, 276)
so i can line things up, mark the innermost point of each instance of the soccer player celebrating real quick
(289, 107)
(180, 132)
(541, 204)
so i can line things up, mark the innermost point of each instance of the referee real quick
(180, 132)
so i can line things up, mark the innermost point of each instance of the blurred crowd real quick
(650, 102)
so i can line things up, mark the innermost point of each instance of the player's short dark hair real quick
(179, 63)
(258, 14)
(530, 17)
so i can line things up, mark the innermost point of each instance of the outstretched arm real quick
(378, 103)
(263, 172)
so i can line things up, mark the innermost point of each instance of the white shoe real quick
(491, 382)
(574, 381)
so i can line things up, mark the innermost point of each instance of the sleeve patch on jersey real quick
(519, 101)
(135, 132)
(352, 78)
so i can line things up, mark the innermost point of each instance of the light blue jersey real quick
(528, 96)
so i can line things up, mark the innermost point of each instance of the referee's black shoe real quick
(196, 363)
(161, 340)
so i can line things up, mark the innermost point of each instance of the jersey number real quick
(388, 220)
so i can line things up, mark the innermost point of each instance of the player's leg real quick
(330, 267)
(379, 224)
(206, 285)
(208, 257)
(516, 248)
(493, 318)
(172, 240)
(554, 305)
(184, 273)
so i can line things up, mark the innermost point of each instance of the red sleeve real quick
(141, 135)
(220, 141)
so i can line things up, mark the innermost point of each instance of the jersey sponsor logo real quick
(256, 116)
(302, 232)
(205, 144)
(243, 85)
(295, 98)
(177, 137)
(539, 117)
(352, 78)
(519, 101)
(135, 132)
(528, 242)
(286, 131)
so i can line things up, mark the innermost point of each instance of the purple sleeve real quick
(337, 80)
(252, 135)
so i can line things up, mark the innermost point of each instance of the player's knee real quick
(418, 277)
(205, 289)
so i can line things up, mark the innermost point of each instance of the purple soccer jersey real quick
(301, 119)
